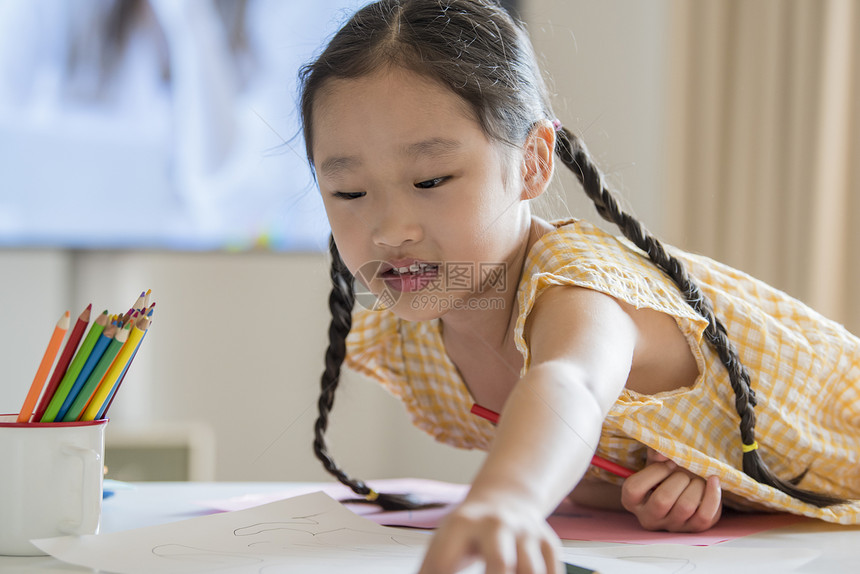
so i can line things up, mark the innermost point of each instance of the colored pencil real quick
(98, 350)
(44, 368)
(97, 376)
(109, 401)
(138, 304)
(130, 317)
(104, 395)
(124, 318)
(91, 367)
(596, 460)
(75, 368)
(63, 363)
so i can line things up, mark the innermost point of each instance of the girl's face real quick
(425, 210)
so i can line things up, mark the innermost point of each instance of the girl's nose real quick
(396, 225)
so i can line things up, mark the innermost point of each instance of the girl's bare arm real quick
(582, 346)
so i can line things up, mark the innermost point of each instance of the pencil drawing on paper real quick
(310, 532)
(205, 556)
(260, 545)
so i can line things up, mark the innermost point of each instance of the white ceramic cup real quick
(50, 481)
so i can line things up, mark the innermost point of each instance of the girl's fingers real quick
(663, 499)
(499, 551)
(530, 560)
(447, 554)
(710, 507)
(638, 486)
(507, 544)
(551, 557)
(687, 504)
(696, 508)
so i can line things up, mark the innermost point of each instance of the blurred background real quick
(154, 144)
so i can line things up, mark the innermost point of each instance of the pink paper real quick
(571, 522)
(425, 490)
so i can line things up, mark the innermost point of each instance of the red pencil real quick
(597, 461)
(65, 358)
(44, 368)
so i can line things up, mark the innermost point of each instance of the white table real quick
(151, 503)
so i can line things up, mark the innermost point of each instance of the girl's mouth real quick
(409, 278)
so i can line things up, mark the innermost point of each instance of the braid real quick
(340, 302)
(573, 153)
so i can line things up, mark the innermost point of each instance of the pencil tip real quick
(90, 307)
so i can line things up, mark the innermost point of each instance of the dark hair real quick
(480, 53)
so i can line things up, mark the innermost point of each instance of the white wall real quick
(607, 66)
(33, 295)
(238, 339)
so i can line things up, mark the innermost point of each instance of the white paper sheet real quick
(682, 559)
(308, 534)
(313, 533)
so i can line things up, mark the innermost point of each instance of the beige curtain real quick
(764, 151)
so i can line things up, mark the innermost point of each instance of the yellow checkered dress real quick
(805, 371)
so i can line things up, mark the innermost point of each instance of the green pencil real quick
(75, 368)
(92, 383)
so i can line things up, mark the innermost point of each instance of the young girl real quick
(429, 130)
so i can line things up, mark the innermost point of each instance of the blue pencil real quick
(101, 344)
(109, 398)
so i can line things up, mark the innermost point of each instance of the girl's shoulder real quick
(572, 233)
(578, 246)
(577, 253)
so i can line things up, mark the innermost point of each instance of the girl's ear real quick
(538, 159)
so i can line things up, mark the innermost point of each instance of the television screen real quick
(158, 124)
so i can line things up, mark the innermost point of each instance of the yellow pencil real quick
(44, 368)
(116, 369)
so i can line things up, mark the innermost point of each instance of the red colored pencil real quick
(65, 358)
(596, 460)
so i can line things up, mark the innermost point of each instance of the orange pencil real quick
(44, 368)
(63, 363)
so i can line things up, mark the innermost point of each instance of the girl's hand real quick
(666, 497)
(510, 540)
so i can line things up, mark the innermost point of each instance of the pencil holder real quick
(50, 482)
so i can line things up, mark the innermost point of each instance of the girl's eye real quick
(436, 181)
(348, 194)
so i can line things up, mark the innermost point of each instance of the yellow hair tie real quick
(750, 447)
(372, 495)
